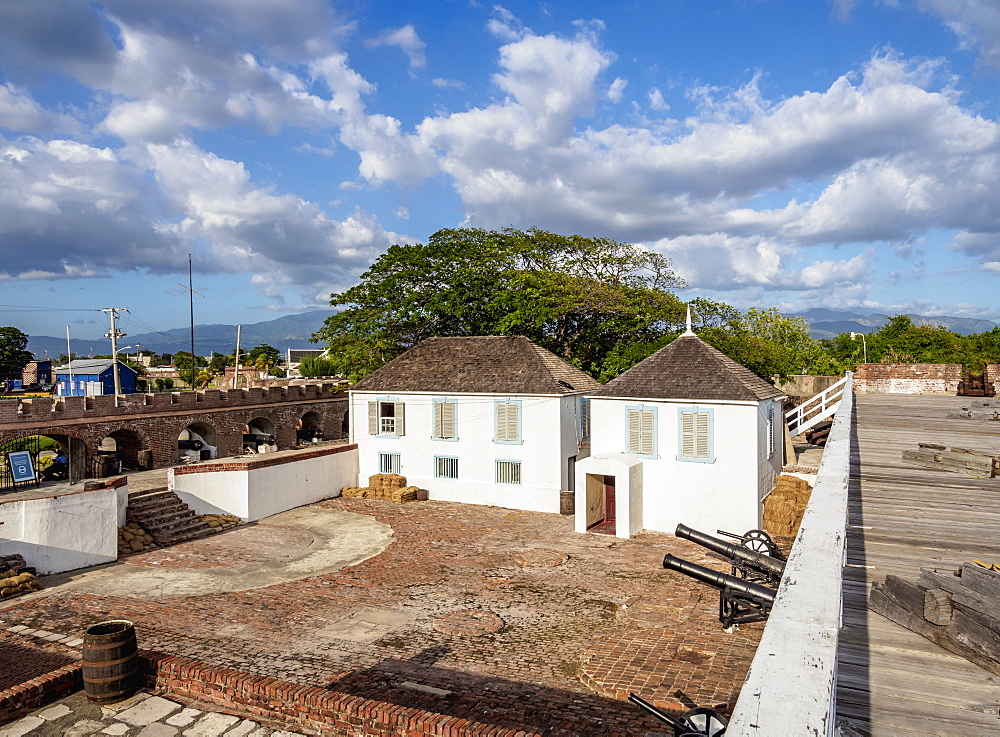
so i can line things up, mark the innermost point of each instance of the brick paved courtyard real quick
(585, 619)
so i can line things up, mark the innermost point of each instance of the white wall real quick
(722, 494)
(549, 437)
(62, 533)
(627, 470)
(254, 493)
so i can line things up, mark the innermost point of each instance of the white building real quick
(687, 435)
(482, 420)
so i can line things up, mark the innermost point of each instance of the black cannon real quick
(746, 563)
(698, 722)
(740, 601)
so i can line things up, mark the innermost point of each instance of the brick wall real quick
(991, 374)
(307, 708)
(153, 421)
(907, 378)
(35, 693)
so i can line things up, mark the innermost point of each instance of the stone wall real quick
(153, 421)
(907, 378)
(804, 385)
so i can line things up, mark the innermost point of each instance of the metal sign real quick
(21, 467)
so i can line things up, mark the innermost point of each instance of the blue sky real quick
(792, 154)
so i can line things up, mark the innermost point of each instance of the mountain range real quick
(290, 331)
(294, 331)
(826, 323)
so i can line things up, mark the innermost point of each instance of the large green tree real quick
(582, 298)
(13, 353)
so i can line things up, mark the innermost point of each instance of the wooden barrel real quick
(110, 661)
(145, 459)
(423, 495)
(567, 502)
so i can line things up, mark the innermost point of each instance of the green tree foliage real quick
(765, 341)
(13, 353)
(581, 298)
(263, 356)
(900, 341)
(313, 366)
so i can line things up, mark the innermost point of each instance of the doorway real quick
(601, 516)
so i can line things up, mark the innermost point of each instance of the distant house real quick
(37, 372)
(482, 420)
(687, 435)
(294, 356)
(93, 376)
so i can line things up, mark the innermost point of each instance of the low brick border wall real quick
(300, 707)
(17, 701)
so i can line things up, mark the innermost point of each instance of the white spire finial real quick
(689, 331)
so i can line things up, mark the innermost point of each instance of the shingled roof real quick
(480, 364)
(689, 368)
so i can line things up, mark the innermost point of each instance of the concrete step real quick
(165, 517)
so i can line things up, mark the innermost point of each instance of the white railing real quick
(816, 409)
(791, 688)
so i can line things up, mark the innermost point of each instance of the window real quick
(445, 467)
(770, 429)
(584, 418)
(508, 472)
(508, 421)
(389, 463)
(642, 431)
(444, 419)
(696, 435)
(385, 417)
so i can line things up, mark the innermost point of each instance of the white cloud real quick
(656, 101)
(408, 41)
(975, 22)
(20, 112)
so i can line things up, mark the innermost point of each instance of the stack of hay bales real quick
(132, 538)
(784, 507)
(16, 578)
(220, 522)
(385, 486)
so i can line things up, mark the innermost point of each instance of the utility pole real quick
(115, 334)
(191, 293)
(236, 374)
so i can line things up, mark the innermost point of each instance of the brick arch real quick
(75, 444)
(128, 443)
(205, 430)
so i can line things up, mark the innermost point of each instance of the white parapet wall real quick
(792, 683)
(66, 531)
(258, 487)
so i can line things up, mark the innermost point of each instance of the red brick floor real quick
(567, 655)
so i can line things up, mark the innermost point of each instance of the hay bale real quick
(386, 481)
(784, 507)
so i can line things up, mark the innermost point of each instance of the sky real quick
(830, 153)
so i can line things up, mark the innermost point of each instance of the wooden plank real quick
(937, 606)
(892, 680)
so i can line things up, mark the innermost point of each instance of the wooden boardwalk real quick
(904, 517)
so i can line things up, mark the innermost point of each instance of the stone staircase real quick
(164, 516)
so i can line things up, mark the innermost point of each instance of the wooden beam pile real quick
(961, 614)
(958, 460)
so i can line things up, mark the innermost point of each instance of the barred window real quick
(445, 467)
(389, 463)
(584, 419)
(508, 472)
